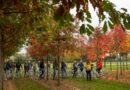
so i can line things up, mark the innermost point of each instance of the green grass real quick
(114, 65)
(83, 84)
(27, 84)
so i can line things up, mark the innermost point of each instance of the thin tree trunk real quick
(110, 62)
(104, 63)
(123, 65)
(126, 62)
(58, 63)
(47, 67)
(58, 70)
(1, 61)
(120, 65)
(117, 75)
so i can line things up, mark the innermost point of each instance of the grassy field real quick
(114, 65)
(83, 84)
(27, 84)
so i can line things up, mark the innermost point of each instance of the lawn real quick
(27, 84)
(114, 65)
(83, 84)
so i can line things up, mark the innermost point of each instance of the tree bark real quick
(47, 68)
(58, 70)
(117, 75)
(123, 65)
(120, 64)
(110, 63)
(1, 61)
(126, 62)
(104, 63)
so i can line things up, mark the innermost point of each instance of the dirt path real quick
(9, 85)
(52, 85)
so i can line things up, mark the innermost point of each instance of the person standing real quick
(18, 68)
(30, 69)
(75, 69)
(26, 69)
(88, 70)
(42, 69)
(63, 69)
(7, 69)
(99, 67)
(55, 69)
(81, 68)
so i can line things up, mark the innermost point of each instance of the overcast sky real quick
(119, 4)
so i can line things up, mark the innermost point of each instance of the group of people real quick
(63, 68)
(88, 68)
(29, 69)
(10, 68)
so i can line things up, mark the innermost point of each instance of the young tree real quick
(118, 36)
(125, 47)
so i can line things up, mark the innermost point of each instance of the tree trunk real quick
(110, 62)
(47, 67)
(120, 65)
(1, 61)
(104, 63)
(58, 70)
(117, 76)
(126, 62)
(123, 65)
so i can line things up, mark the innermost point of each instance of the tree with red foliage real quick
(98, 43)
(115, 38)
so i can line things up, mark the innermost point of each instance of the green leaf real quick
(90, 27)
(107, 5)
(105, 27)
(82, 29)
(89, 20)
(89, 32)
(68, 16)
(126, 24)
(81, 17)
(88, 14)
(55, 1)
(124, 9)
(112, 20)
(110, 24)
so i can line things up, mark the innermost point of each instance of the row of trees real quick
(19, 18)
(113, 43)
(99, 45)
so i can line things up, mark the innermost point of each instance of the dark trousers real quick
(42, 73)
(88, 74)
(63, 72)
(55, 73)
(99, 71)
(75, 72)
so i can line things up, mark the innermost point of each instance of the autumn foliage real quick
(113, 42)
(99, 45)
